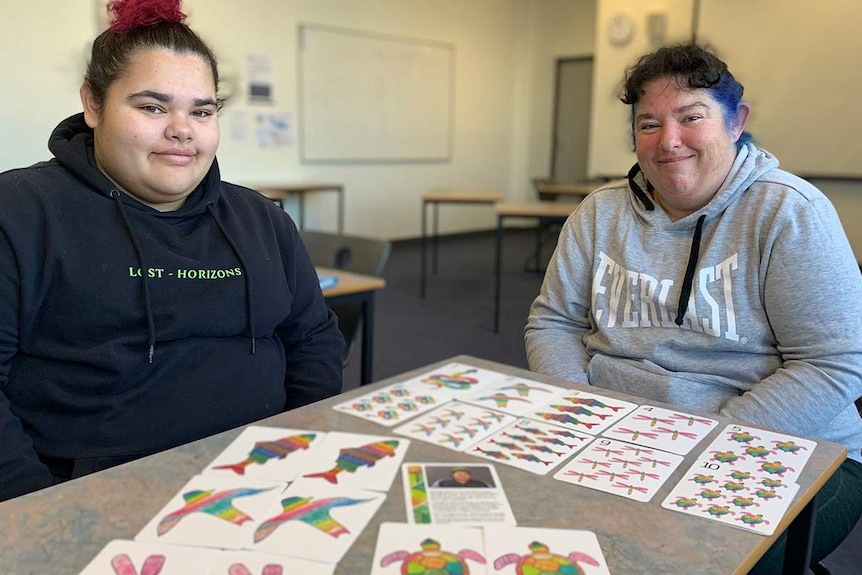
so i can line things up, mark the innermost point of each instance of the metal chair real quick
(355, 254)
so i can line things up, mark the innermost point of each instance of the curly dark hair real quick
(694, 67)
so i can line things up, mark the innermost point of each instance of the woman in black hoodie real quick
(145, 303)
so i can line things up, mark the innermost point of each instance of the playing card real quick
(266, 453)
(583, 411)
(456, 380)
(315, 522)
(664, 429)
(132, 557)
(455, 425)
(394, 404)
(355, 460)
(212, 512)
(455, 493)
(754, 501)
(532, 445)
(531, 550)
(516, 396)
(625, 469)
(776, 454)
(403, 548)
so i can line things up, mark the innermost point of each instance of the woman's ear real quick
(91, 108)
(738, 124)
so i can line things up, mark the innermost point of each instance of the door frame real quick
(559, 63)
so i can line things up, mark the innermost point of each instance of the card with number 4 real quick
(663, 429)
(632, 471)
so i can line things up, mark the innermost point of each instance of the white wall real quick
(610, 141)
(503, 92)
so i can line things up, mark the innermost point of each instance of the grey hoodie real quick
(771, 333)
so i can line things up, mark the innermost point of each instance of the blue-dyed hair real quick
(693, 67)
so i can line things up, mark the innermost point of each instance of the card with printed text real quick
(583, 411)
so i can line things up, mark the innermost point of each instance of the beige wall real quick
(504, 93)
(504, 62)
(610, 143)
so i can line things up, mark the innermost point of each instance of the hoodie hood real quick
(71, 143)
(749, 165)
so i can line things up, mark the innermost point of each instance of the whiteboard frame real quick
(306, 122)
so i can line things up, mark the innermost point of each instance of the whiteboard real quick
(367, 97)
(798, 62)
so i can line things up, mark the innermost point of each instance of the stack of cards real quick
(745, 478)
(288, 499)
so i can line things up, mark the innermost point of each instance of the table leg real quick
(434, 239)
(340, 210)
(498, 273)
(800, 539)
(422, 255)
(301, 210)
(367, 339)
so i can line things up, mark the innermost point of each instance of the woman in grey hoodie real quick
(711, 280)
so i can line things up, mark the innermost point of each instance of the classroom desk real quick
(546, 191)
(447, 196)
(279, 192)
(65, 526)
(504, 210)
(351, 288)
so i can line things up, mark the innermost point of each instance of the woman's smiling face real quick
(156, 133)
(684, 144)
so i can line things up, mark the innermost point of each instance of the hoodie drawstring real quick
(694, 251)
(688, 279)
(148, 309)
(248, 295)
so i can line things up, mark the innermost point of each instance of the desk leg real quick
(498, 273)
(422, 255)
(367, 339)
(800, 539)
(301, 210)
(340, 211)
(434, 239)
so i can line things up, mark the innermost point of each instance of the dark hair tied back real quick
(131, 14)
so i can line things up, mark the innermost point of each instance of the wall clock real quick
(621, 29)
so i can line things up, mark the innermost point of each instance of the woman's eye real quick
(151, 109)
(202, 113)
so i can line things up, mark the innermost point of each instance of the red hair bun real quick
(131, 14)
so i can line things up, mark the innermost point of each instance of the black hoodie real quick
(125, 330)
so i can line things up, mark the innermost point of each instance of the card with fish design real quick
(533, 445)
(315, 521)
(516, 396)
(394, 404)
(121, 557)
(625, 469)
(450, 549)
(455, 425)
(455, 493)
(213, 512)
(272, 453)
(664, 429)
(751, 449)
(750, 500)
(522, 550)
(356, 461)
(583, 411)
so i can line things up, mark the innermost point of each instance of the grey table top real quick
(60, 529)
